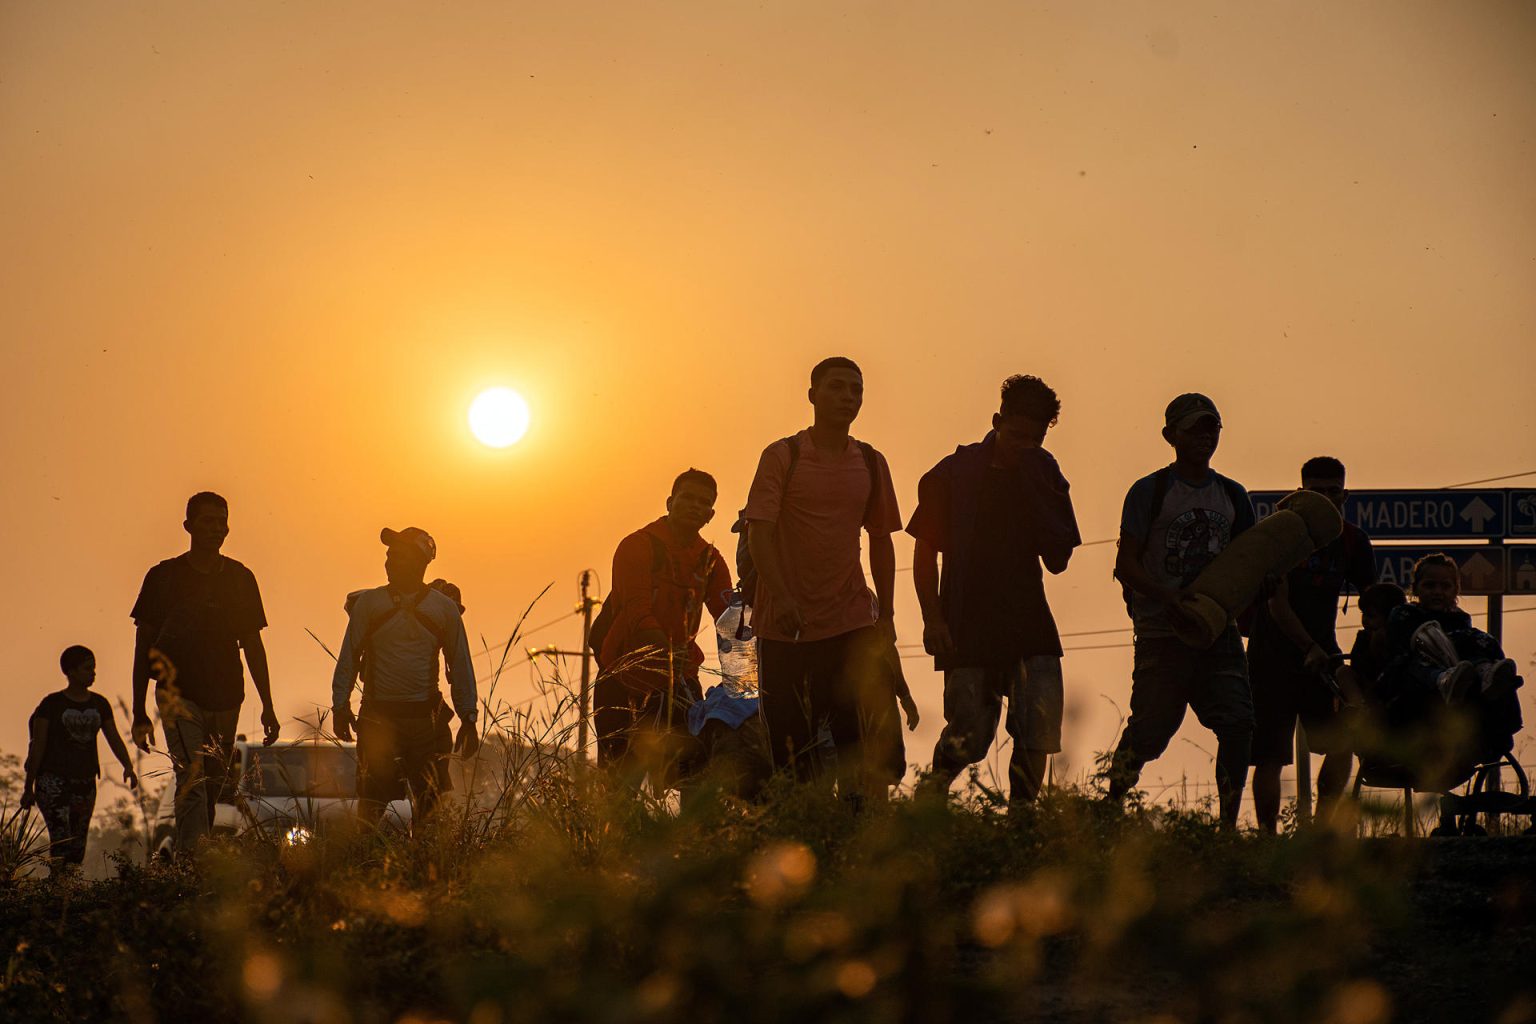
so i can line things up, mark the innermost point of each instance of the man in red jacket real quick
(664, 576)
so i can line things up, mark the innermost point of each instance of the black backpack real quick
(1160, 492)
(746, 571)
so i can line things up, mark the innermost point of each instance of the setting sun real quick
(498, 417)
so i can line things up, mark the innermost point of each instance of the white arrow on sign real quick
(1477, 514)
(1480, 573)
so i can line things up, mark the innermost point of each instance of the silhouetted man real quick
(664, 576)
(195, 614)
(1294, 637)
(394, 634)
(996, 509)
(823, 639)
(1174, 523)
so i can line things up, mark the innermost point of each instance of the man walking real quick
(394, 634)
(195, 614)
(664, 576)
(996, 509)
(1174, 523)
(824, 640)
(1293, 641)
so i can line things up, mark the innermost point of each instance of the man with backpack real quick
(195, 615)
(394, 634)
(1292, 646)
(825, 640)
(996, 509)
(1174, 523)
(664, 576)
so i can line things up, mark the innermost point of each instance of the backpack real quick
(602, 622)
(746, 571)
(1159, 493)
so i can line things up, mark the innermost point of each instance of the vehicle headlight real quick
(297, 835)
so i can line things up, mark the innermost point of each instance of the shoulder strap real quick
(1242, 506)
(793, 443)
(1159, 493)
(410, 608)
(872, 464)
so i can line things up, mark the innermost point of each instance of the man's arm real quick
(1130, 571)
(763, 540)
(1280, 610)
(461, 687)
(39, 737)
(925, 579)
(882, 566)
(142, 729)
(256, 658)
(719, 585)
(348, 659)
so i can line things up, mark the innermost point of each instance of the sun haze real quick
(271, 252)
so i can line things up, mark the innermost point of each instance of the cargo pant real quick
(201, 744)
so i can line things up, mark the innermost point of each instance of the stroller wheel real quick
(1444, 830)
(1472, 828)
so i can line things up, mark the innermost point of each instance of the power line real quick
(1495, 479)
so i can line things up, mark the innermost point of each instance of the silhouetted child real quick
(1361, 677)
(62, 765)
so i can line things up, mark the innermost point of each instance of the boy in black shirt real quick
(996, 509)
(195, 614)
(1293, 642)
(62, 765)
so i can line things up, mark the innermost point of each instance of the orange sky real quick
(274, 250)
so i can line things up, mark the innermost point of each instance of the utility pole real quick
(586, 661)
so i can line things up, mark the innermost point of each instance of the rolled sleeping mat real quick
(1302, 522)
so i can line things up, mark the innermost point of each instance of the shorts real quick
(402, 745)
(1283, 694)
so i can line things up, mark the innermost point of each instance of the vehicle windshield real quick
(310, 771)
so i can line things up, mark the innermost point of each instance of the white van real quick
(289, 790)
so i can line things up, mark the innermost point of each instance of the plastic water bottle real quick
(738, 648)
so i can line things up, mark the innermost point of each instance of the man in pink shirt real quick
(825, 639)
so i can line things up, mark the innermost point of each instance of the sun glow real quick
(498, 417)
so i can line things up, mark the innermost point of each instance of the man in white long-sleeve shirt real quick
(393, 637)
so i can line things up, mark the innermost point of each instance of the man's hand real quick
(468, 740)
(143, 732)
(787, 618)
(886, 623)
(936, 637)
(342, 721)
(1316, 659)
(28, 798)
(129, 778)
(909, 708)
(270, 726)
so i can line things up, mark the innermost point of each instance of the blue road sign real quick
(1522, 512)
(1420, 514)
(1483, 566)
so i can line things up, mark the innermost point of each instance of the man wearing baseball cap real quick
(1174, 523)
(394, 634)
